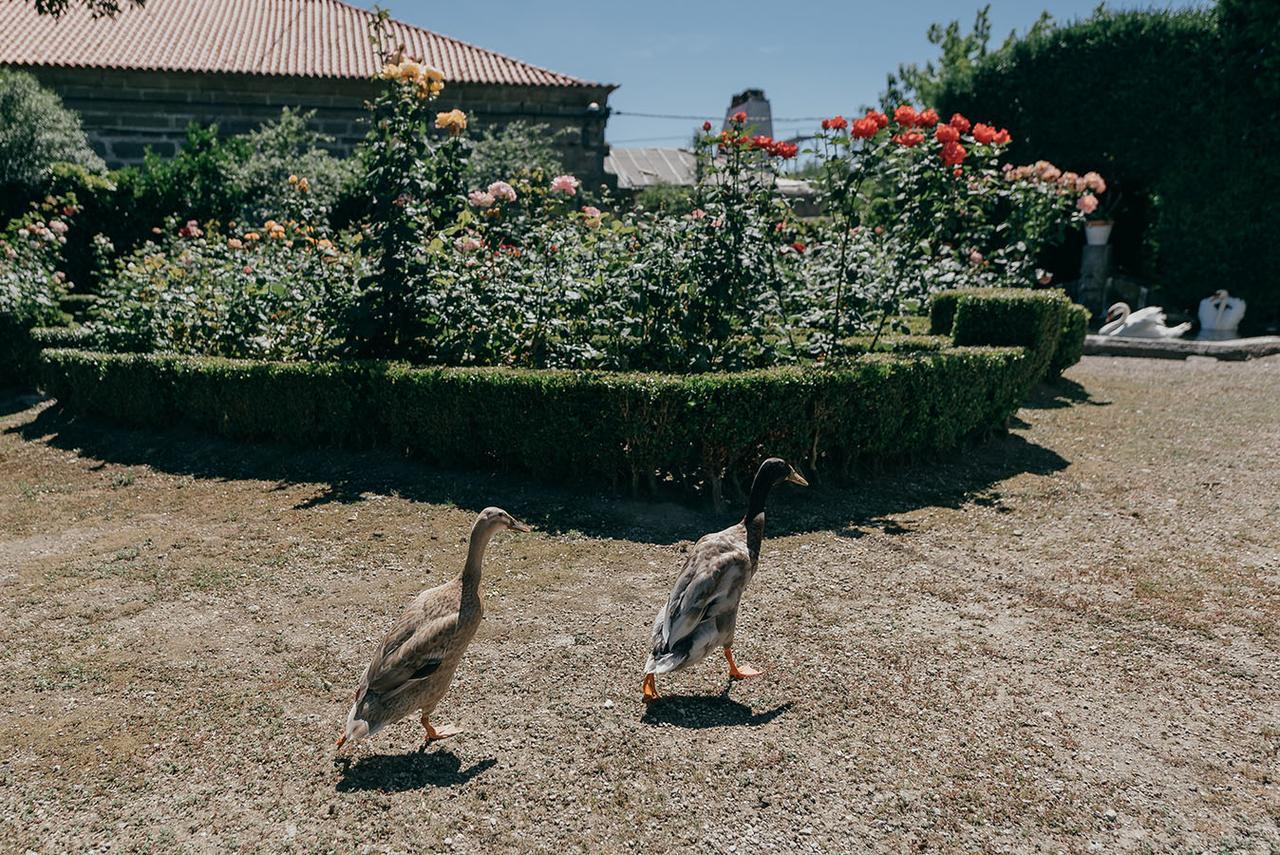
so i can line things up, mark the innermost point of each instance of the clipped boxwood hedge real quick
(619, 428)
(558, 425)
(1023, 317)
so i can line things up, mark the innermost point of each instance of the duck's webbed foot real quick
(740, 672)
(650, 689)
(437, 733)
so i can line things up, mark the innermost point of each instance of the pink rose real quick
(1088, 203)
(1094, 182)
(566, 184)
(480, 199)
(502, 190)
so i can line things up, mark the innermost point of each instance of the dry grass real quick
(1063, 639)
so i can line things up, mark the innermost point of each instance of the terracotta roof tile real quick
(307, 38)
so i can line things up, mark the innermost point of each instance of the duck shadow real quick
(398, 773)
(330, 475)
(703, 711)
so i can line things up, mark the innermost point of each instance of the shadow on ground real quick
(700, 711)
(1061, 393)
(397, 773)
(352, 476)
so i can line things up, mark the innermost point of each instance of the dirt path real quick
(1066, 638)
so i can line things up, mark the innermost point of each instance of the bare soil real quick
(1066, 638)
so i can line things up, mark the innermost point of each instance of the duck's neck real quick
(480, 536)
(753, 520)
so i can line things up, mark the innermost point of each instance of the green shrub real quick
(617, 428)
(1007, 317)
(1075, 326)
(36, 132)
(1195, 176)
(277, 293)
(515, 151)
(288, 147)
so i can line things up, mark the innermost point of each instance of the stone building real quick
(137, 80)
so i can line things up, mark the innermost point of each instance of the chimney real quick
(756, 106)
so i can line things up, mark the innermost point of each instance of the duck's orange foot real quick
(650, 689)
(435, 734)
(444, 732)
(740, 672)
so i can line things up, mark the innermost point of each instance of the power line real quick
(703, 118)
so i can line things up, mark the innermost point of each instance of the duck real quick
(414, 663)
(1220, 315)
(1144, 323)
(702, 611)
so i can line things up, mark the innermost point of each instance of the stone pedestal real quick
(1095, 271)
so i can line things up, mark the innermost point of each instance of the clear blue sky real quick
(815, 58)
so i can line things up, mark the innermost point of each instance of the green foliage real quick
(1012, 317)
(515, 151)
(413, 183)
(36, 132)
(1196, 174)
(288, 148)
(276, 294)
(1075, 326)
(666, 199)
(636, 429)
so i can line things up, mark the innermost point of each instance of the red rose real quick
(706, 126)
(1003, 137)
(928, 118)
(826, 124)
(738, 118)
(959, 122)
(798, 247)
(865, 128)
(911, 139)
(760, 141)
(784, 150)
(953, 154)
(984, 134)
(839, 123)
(906, 116)
(946, 134)
(957, 172)
(882, 121)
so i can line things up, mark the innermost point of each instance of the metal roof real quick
(647, 167)
(307, 38)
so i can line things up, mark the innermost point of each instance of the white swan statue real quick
(1144, 323)
(1220, 316)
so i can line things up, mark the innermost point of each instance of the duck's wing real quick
(716, 571)
(415, 648)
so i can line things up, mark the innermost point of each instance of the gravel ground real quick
(1067, 638)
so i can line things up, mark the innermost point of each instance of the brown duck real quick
(415, 662)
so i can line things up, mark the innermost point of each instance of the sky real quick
(813, 59)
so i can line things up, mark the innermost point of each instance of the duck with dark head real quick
(702, 612)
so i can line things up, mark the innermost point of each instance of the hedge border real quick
(1019, 323)
(616, 428)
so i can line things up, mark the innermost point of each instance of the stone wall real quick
(125, 112)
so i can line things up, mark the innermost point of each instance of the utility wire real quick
(702, 118)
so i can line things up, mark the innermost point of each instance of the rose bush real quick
(273, 292)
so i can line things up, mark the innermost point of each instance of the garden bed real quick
(629, 429)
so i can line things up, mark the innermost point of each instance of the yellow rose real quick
(410, 70)
(390, 72)
(454, 121)
(433, 74)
